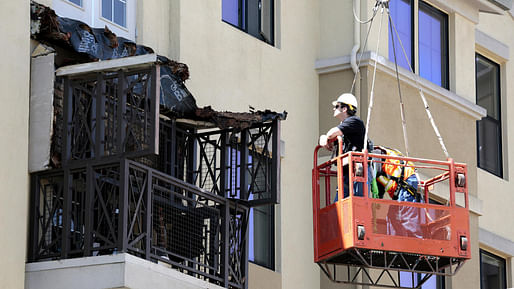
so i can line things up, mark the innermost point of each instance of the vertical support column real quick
(225, 253)
(191, 161)
(245, 254)
(243, 182)
(122, 108)
(34, 216)
(223, 165)
(275, 168)
(67, 113)
(452, 182)
(148, 214)
(66, 215)
(173, 148)
(154, 100)
(88, 223)
(123, 206)
(100, 114)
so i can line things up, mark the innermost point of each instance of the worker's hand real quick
(323, 141)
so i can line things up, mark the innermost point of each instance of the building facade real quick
(295, 56)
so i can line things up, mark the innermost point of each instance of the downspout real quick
(356, 37)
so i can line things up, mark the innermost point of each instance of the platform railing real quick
(103, 208)
(381, 233)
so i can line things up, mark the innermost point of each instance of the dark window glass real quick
(107, 9)
(492, 271)
(261, 223)
(401, 14)
(119, 12)
(78, 2)
(433, 44)
(489, 128)
(255, 17)
(261, 236)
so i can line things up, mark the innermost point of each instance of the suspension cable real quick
(370, 106)
(421, 94)
(402, 108)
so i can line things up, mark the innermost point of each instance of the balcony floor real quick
(113, 271)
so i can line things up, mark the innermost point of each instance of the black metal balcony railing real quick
(128, 207)
(105, 114)
(159, 188)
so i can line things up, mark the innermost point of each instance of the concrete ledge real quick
(496, 242)
(458, 102)
(492, 45)
(114, 271)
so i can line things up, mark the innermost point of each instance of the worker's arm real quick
(331, 134)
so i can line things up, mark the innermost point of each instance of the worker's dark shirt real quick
(353, 133)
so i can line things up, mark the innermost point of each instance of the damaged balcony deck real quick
(129, 174)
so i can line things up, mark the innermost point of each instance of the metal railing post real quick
(66, 215)
(123, 206)
(148, 214)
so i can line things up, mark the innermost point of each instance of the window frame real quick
(251, 23)
(498, 122)
(81, 5)
(499, 258)
(415, 8)
(270, 262)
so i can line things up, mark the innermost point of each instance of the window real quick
(489, 145)
(118, 15)
(434, 282)
(115, 11)
(492, 271)
(255, 17)
(261, 237)
(261, 223)
(432, 32)
(76, 2)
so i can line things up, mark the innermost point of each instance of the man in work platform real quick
(352, 130)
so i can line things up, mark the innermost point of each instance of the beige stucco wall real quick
(496, 192)
(14, 80)
(336, 26)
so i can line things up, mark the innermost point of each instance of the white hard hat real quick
(346, 98)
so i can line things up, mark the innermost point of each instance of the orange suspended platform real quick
(387, 235)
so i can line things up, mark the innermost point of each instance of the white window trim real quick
(492, 46)
(498, 243)
(91, 14)
(75, 5)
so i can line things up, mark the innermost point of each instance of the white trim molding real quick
(457, 102)
(492, 45)
(496, 242)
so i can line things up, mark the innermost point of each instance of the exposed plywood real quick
(108, 65)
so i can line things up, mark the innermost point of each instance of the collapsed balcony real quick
(128, 174)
